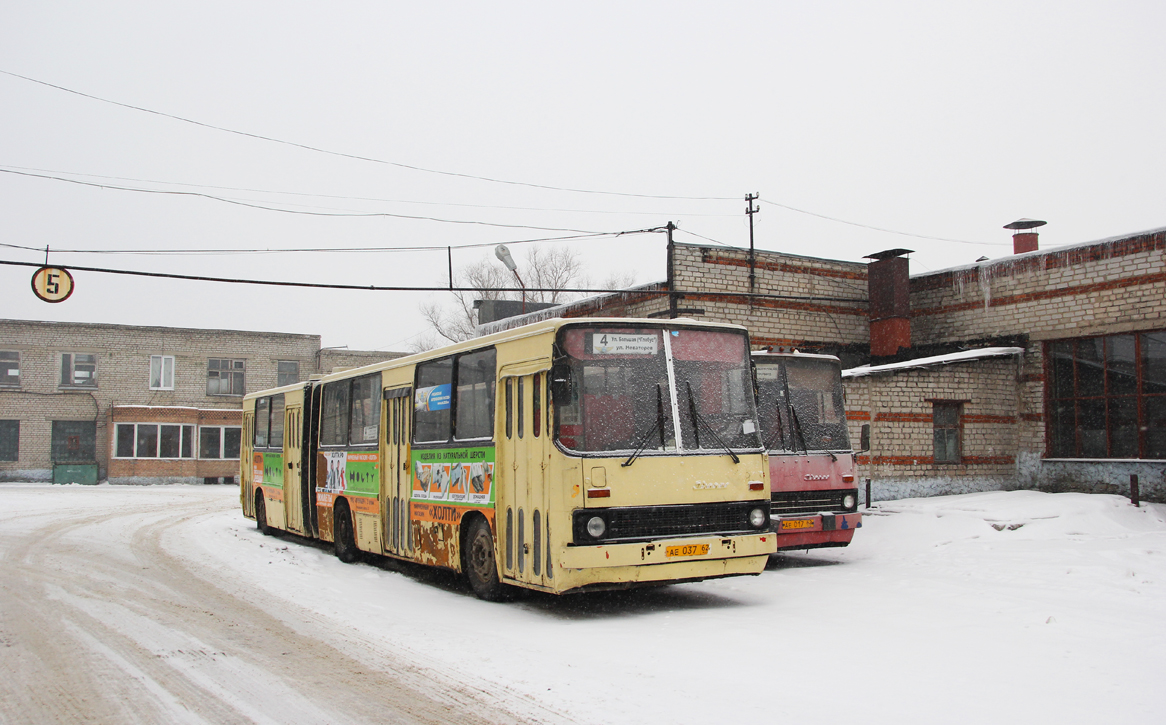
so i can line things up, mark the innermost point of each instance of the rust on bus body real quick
(436, 544)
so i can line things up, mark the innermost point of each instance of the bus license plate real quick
(689, 550)
(797, 524)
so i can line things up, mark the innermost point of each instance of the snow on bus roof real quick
(925, 362)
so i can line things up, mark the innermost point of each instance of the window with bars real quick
(1106, 396)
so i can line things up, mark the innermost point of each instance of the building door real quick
(293, 485)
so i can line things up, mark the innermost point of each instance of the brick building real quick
(1044, 369)
(85, 402)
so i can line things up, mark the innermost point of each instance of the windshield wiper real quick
(657, 426)
(698, 421)
(779, 430)
(795, 425)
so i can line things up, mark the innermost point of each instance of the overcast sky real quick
(942, 120)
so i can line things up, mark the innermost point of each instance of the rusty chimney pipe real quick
(888, 280)
(1023, 240)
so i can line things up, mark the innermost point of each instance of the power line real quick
(295, 211)
(419, 248)
(880, 229)
(445, 173)
(358, 157)
(353, 198)
(448, 288)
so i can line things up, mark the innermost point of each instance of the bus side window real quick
(509, 538)
(536, 417)
(509, 407)
(262, 421)
(521, 405)
(275, 439)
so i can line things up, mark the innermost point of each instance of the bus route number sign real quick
(606, 343)
(52, 284)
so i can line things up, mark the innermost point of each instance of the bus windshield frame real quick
(817, 419)
(649, 390)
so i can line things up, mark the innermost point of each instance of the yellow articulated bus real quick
(566, 455)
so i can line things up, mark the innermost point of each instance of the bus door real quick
(523, 493)
(246, 476)
(398, 481)
(293, 489)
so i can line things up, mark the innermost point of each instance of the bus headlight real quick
(848, 501)
(758, 518)
(596, 526)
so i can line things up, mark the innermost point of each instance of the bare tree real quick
(553, 270)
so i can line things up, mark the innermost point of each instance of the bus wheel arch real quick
(479, 559)
(343, 533)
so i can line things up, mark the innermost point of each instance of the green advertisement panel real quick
(267, 469)
(463, 476)
(353, 472)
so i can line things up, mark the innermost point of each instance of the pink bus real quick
(811, 464)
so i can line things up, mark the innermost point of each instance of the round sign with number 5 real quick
(52, 284)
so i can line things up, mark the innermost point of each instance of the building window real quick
(219, 441)
(1106, 396)
(945, 416)
(78, 369)
(9, 367)
(288, 372)
(74, 441)
(154, 440)
(225, 377)
(9, 439)
(161, 372)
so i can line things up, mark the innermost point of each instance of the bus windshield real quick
(816, 420)
(653, 389)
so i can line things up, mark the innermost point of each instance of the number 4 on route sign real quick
(52, 284)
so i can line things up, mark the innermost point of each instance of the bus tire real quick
(480, 565)
(261, 515)
(343, 539)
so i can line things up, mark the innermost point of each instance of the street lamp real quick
(503, 255)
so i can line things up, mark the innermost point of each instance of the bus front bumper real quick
(669, 551)
(808, 532)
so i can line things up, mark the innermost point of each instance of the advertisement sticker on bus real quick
(457, 475)
(432, 398)
(355, 472)
(267, 469)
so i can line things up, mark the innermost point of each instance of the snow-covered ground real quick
(1002, 607)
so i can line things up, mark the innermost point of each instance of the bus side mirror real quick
(864, 438)
(561, 384)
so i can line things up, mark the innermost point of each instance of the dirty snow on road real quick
(1004, 606)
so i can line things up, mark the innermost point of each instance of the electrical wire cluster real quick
(225, 195)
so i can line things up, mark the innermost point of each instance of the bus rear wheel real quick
(479, 563)
(344, 542)
(261, 515)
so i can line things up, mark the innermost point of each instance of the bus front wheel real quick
(479, 564)
(261, 515)
(344, 542)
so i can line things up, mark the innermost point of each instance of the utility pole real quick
(672, 307)
(750, 210)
